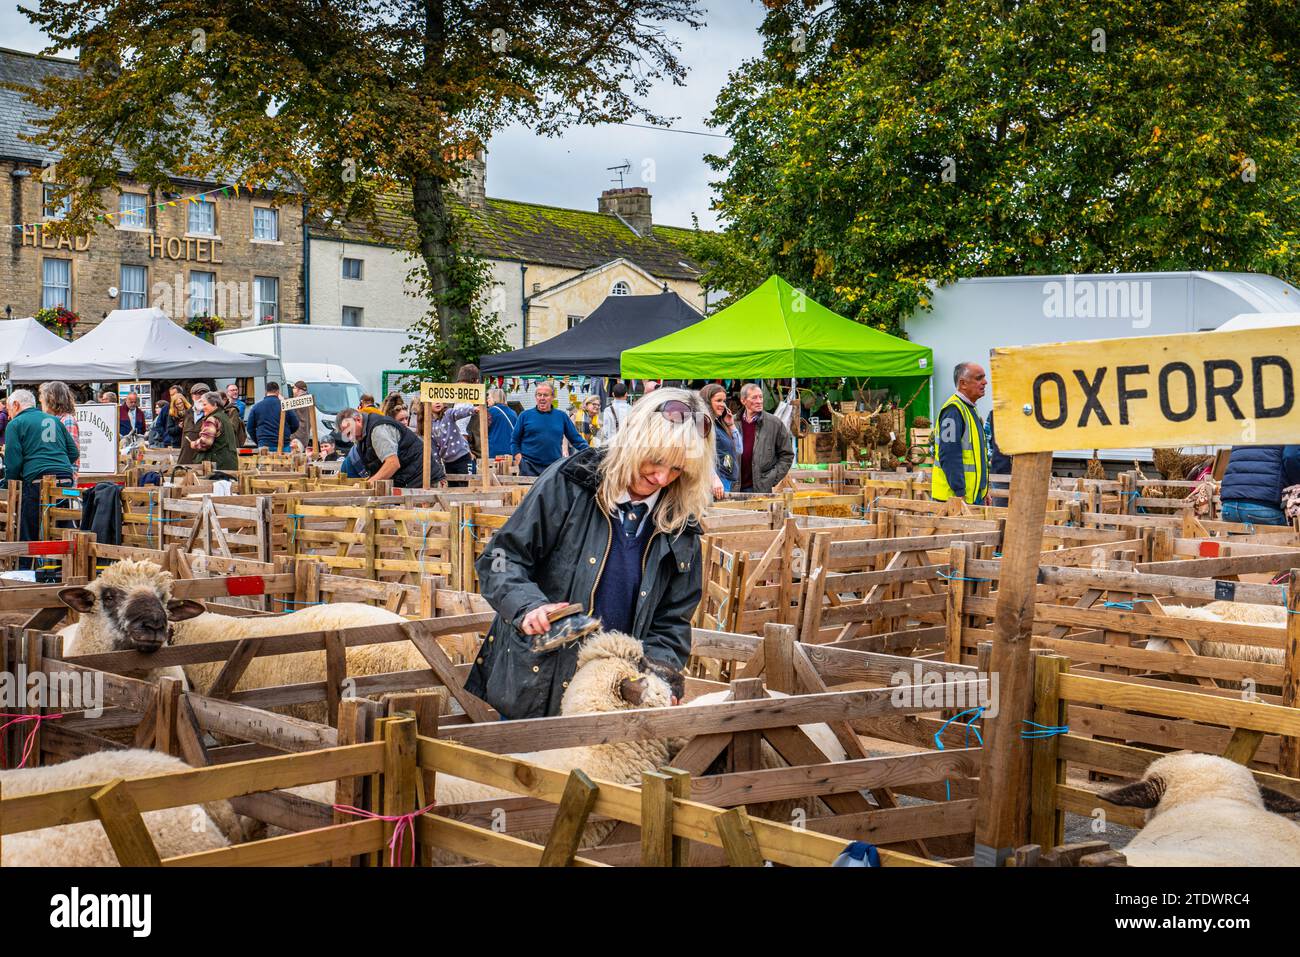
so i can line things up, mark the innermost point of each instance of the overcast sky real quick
(570, 170)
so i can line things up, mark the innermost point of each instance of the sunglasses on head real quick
(677, 411)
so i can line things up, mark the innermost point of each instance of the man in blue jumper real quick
(539, 433)
(264, 421)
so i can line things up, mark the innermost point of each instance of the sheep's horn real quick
(1144, 793)
(632, 690)
(1279, 803)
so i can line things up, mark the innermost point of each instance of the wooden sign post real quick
(1208, 388)
(454, 393)
(306, 401)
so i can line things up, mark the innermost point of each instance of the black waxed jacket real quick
(553, 549)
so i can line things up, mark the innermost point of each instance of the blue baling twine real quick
(958, 578)
(1043, 730)
(466, 523)
(976, 714)
(293, 531)
(1285, 604)
(1126, 605)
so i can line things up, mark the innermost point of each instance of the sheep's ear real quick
(675, 678)
(1279, 803)
(78, 599)
(1145, 793)
(183, 609)
(632, 690)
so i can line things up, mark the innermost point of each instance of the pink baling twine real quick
(404, 823)
(30, 741)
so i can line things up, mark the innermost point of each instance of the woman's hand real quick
(537, 621)
(718, 490)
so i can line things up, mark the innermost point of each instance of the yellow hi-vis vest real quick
(974, 456)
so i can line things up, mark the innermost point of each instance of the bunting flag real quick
(107, 217)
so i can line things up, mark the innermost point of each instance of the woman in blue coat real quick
(1254, 480)
(726, 439)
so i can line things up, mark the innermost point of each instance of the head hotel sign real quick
(1204, 388)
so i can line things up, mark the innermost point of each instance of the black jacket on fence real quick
(553, 549)
(101, 513)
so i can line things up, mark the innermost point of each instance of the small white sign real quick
(97, 426)
(298, 402)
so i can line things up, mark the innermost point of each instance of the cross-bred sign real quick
(1202, 388)
(454, 393)
(459, 393)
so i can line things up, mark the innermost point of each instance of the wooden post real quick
(656, 819)
(778, 655)
(958, 553)
(484, 459)
(279, 439)
(746, 749)
(121, 819)
(681, 787)
(570, 820)
(1047, 821)
(426, 434)
(1289, 760)
(1002, 817)
(738, 841)
(400, 774)
(169, 700)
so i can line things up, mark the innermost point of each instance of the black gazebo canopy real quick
(593, 347)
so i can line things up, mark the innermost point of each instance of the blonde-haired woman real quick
(615, 530)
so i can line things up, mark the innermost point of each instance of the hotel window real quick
(131, 211)
(202, 293)
(352, 315)
(266, 296)
(203, 218)
(574, 320)
(56, 283)
(351, 268)
(131, 292)
(620, 288)
(266, 224)
(55, 209)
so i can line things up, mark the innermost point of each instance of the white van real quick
(333, 387)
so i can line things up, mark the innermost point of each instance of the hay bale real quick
(1095, 469)
(832, 510)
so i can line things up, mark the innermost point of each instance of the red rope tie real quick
(30, 741)
(404, 823)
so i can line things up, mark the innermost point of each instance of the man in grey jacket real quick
(767, 448)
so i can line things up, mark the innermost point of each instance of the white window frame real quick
(66, 299)
(64, 208)
(127, 218)
(211, 303)
(275, 222)
(191, 208)
(575, 321)
(259, 303)
(613, 290)
(142, 292)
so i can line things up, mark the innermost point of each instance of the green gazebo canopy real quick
(777, 332)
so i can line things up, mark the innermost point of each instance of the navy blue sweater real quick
(501, 429)
(616, 591)
(537, 436)
(1258, 473)
(264, 423)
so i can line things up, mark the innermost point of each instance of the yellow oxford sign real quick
(1203, 388)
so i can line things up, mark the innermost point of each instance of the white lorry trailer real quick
(364, 352)
(970, 317)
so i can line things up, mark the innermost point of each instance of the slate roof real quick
(550, 235)
(17, 114)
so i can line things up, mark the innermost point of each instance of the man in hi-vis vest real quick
(961, 475)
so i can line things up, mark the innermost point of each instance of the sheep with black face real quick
(129, 607)
(1207, 811)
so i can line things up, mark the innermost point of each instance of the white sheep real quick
(1232, 612)
(129, 607)
(1207, 811)
(187, 829)
(612, 675)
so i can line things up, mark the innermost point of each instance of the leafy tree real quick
(881, 147)
(352, 104)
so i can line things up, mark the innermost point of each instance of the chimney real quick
(472, 187)
(631, 204)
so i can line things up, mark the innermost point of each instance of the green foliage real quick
(1095, 136)
(348, 105)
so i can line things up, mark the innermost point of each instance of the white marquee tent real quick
(135, 344)
(23, 339)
